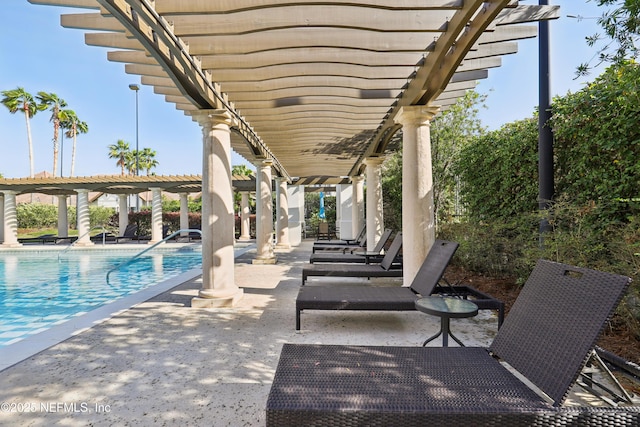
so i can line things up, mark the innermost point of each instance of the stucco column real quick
(1, 217)
(184, 214)
(10, 220)
(156, 214)
(295, 199)
(418, 221)
(83, 220)
(282, 209)
(63, 218)
(375, 218)
(245, 221)
(218, 281)
(357, 216)
(344, 208)
(264, 216)
(123, 214)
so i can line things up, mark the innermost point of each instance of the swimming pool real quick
(40, 289)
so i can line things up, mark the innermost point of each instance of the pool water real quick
(38, 290)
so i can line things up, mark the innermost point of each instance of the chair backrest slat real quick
(130, 230)
(383, 240)
(392, 253)
(433, 267)
(554, 324)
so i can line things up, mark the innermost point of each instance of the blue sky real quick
(38, 54)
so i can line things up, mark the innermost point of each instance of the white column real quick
(245, 221)
(184, 214)
(282, 209)
(418, 222)
(264, 217)
(357, 216)
(218, 281)
(1, 217)
(156, 215)
(344, 205)
(375, 219)
(123, 215)
(83, 220)
(10, 220)
(233, 195)
(63, 218)
(296, 213)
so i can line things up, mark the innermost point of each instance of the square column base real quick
(264, 261)
(11, 245)
(228, 301)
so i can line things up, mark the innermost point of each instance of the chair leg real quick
(500, 315)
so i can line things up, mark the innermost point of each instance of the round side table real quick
(446, 308)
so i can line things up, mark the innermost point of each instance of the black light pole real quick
(61, 152)
(136, 88)
(545, 134)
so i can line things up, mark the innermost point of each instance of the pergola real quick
(309, 89)
(109, 184)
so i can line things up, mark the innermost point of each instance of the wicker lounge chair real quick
(354, 256)
(394, 298)
(548, 338)
(388, 267)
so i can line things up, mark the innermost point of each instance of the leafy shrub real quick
(597, 139)
(499, 172)
(101, 216)
(37, 215)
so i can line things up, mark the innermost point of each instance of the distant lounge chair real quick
(388, 267)
(103, 237)
(547, 339)
(64, 239)
(341, 296)
(344, 242)
(130, 233)
(357, 256)
(319, 247)
(323, 231)
(45, 238)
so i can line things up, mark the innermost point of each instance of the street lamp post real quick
(136, 88)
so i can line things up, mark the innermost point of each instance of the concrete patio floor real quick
(164, 363)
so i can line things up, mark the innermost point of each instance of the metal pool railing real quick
(138, 255)
(104, 231)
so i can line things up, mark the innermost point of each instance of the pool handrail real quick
(104, 230)
(133, 258)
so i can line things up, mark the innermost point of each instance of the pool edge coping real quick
(37, 343)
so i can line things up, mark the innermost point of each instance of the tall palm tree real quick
(54, 103)
(120, 151)
(147, 159)
(20, 100)
(73, 126)
(130, 163)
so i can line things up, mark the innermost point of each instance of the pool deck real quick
(162, 362)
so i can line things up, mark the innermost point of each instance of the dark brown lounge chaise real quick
(395, 298)
(548, 337)
(387, 267)
(355, 256)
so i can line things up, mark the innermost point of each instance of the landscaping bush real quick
(37, 215)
